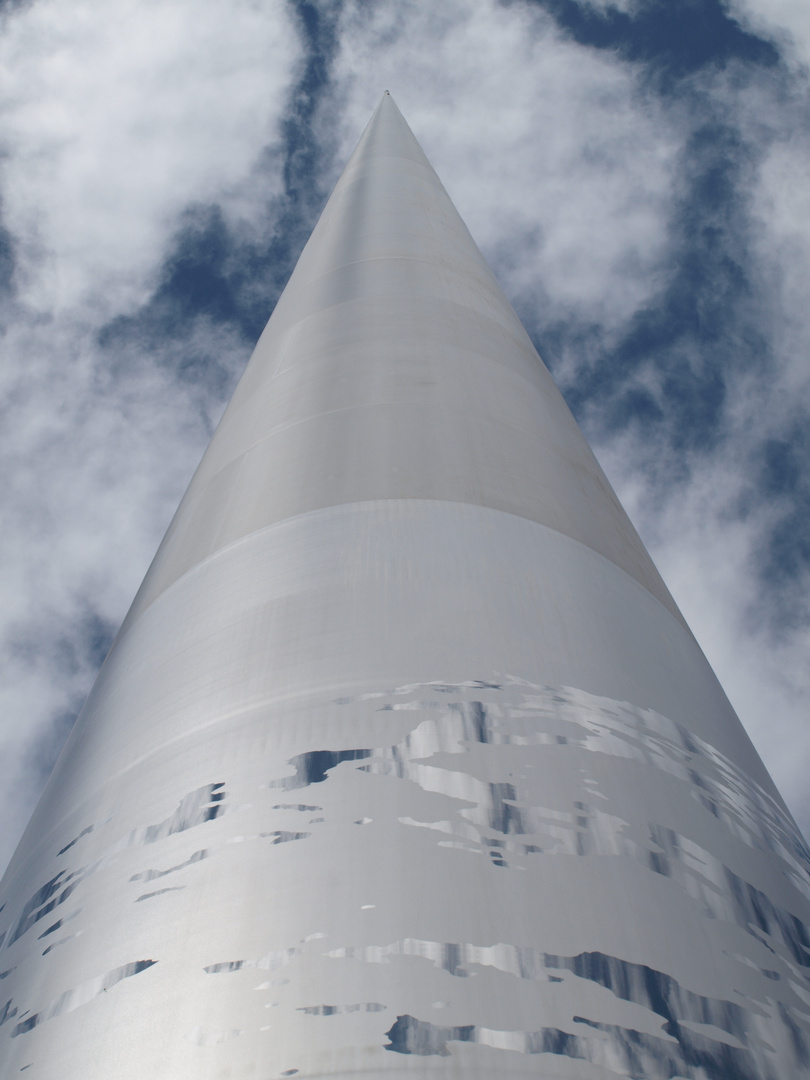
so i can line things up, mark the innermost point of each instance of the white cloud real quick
(707, 547)
(782, 205)
(92, 466)
(117, 115)
(785, 22)
(706, 552)
(556, 158)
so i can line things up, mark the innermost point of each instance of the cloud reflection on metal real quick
(671, 1030)
(477, 770)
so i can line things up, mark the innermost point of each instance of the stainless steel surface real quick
(404, 761)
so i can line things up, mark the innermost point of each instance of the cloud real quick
(785, 22)
(119, 118)
(726, 510)
(556, 156)
(710, 554)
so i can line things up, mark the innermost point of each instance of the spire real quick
(394, 341)
(404, 761)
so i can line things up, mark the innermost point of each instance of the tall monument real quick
(404, 762)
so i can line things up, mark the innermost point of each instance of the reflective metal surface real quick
(404, 761)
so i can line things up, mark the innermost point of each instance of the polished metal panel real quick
(404, 761)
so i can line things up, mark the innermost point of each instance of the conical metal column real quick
(404, 760)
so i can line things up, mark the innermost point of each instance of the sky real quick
(635, 172)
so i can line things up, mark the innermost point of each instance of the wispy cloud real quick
(786, 23)
(119, 118)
